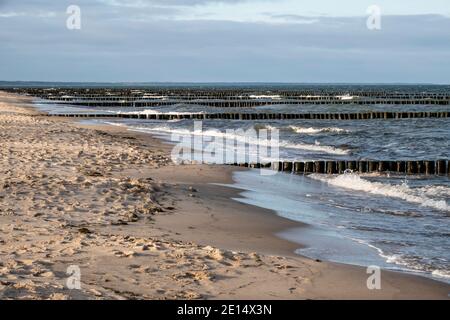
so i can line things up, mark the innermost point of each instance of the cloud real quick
(150, 3)
(40, 14)
(171, 42)
(292, 18)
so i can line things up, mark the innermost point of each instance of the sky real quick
(321, 41)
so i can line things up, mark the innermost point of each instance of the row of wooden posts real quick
(267, 116)
(250, 103)
(411, 167)
(183, 98)
(193, 94)
(224, 93)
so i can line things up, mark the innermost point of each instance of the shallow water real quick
(365, 220)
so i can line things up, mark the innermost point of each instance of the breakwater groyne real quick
(263, 115)
(411, 167)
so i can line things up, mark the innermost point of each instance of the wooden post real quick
(351, 165)
(341, 167)
(401, 167)
(309, 167)
(383, 166)
(331, 167)
(373, 166)
(430, 168)
(267, 165)
(319, 166)
(411, 167)
(287, 166)
(299, 167)
(277, 166)
(392, 166)
(441, 167)
(420, 167)
(362, 166)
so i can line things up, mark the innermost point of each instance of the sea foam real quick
(240, 138)
(402, 191)
(317, 130)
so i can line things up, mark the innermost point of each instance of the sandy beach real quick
(111, 203)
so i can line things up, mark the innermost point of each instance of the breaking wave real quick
(401, 191)
(317, 130)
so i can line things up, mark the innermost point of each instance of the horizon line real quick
(218, 82)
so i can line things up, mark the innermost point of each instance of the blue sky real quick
(226, 41)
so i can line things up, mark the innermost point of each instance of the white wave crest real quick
(355, 182)
(242, 138)
(441, 274)
(149, 111)
(317, 130)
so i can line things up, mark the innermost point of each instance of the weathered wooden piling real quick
(277, 166)
(363, 166)
(287, 166)
(331, 167)
(430, 167)
(411, 167)
(299, 167)
(258, 116)
(351, 165)
(391, 166)
(342, 166)
(255, 165)
(383, 166)
(319, 166)
(441, 167)
(309, 167)
(420, 167)
(373, 166)
(401, 167)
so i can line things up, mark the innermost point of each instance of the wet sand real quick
(111, 203)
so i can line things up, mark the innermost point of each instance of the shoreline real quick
(270, 224)
(211, 182)
(273, 223)
(206, 215)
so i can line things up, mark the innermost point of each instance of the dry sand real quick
(138, 227)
